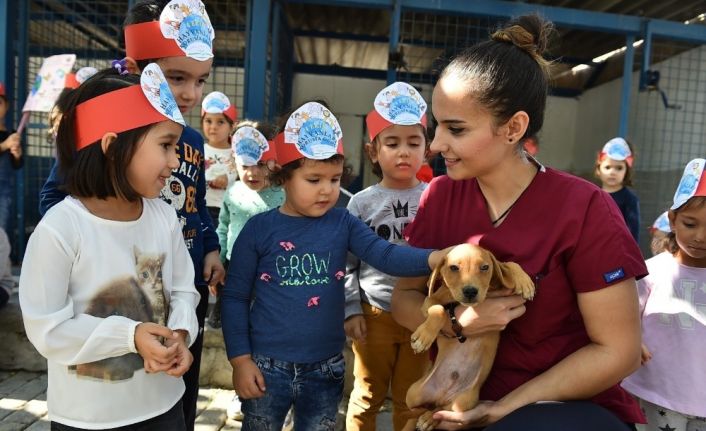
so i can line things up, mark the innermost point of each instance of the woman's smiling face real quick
(466, 132)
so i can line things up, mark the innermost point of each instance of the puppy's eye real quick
(484, 267)
(454, 268)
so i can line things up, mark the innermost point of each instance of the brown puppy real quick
(453, 382)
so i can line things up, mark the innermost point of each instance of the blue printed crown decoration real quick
(314, 131)
(692, 183)
(400, 103)
(154, 86)
(249, 145)
(662, 223)
(215, 103)
(617, 149)
(187, 22)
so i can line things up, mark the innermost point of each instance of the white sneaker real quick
(234, 411)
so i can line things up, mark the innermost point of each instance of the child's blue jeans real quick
(314, 390)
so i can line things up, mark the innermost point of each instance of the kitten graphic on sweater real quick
(139, 298)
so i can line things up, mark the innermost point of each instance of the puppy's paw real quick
(525, 288)
(422, 339)
(426, 422)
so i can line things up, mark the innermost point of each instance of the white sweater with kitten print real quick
(86, 283)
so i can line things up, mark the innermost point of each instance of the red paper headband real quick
(231, 113)
(628, 160)
(145, 41)
(71, 82)
(2, 89)
(135, 111)
(377, 123)
(287, 152)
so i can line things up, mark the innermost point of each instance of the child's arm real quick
(50, 194)
(399, 261)
(237, 292)
(355, 323)
(183, 295)
(12, 144)
(223, 225)
(235, 314)
(57, 332)
(213, 272)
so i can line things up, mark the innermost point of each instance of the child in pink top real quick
(673, 308)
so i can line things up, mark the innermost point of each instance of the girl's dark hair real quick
(696, 201)
(90, 172)
(143, 11)
(278, 178)
(508, 72)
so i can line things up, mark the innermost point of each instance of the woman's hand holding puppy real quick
(493, 314)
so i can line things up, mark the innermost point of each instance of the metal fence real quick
(665, 137)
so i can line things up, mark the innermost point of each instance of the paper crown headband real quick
(617, 149)
(312, 131)
(130, 107)
(218, 103)
(183, 30)
(398, 103)
(2, 89)
(250, 147)
(73, 80)
(692, 183)
(661, 223)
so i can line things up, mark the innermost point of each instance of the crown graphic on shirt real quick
(400, 210)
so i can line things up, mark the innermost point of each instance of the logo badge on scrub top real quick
(157, 91)
(218, 103)
(692, 183)
(249, 146)
(187, 22)
(397, 104)
(617, 149)
(314, 131)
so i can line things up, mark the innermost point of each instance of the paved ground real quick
(23, 405)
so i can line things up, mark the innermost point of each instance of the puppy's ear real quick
(434, 275)
(512, 276)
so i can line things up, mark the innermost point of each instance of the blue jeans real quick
(314, 390)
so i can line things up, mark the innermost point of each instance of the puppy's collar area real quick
(458, 330)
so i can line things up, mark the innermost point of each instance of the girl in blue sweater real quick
(283, 304)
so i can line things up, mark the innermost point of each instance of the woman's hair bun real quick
(530, 33)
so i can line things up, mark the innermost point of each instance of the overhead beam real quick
(564, 17)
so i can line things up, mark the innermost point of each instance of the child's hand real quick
(184, 358)
(437, 256)
(12, 141)
(645, 354)
(213, 271)
(220, 182)
(248, 381)
(157, 357)
(355, 328)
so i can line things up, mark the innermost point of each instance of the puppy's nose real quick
(470, 293)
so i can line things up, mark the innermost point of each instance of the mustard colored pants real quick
(385, 361)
